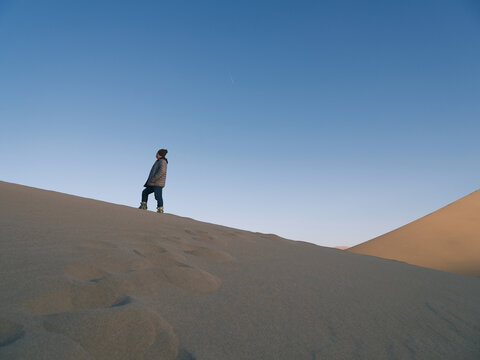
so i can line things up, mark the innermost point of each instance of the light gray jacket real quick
(158, 174)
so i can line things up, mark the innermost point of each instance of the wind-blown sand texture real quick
(85, 279)
(447, 239)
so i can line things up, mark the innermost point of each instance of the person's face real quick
(158, 156)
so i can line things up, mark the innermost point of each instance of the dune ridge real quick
(85, 279)
(447, 239)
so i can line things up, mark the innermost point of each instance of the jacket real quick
(158, 174)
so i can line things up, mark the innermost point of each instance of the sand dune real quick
(447, 239)
(85, 279)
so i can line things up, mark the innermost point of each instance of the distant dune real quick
(447, 239)
(84, 279)
(341, 247)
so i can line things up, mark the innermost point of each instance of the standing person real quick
(156, 181)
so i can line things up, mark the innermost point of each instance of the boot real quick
(143, 205)
(160, 209)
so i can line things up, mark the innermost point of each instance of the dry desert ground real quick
(85, 279)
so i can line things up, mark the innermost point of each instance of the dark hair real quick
(162, 152)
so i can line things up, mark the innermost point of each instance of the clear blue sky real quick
(324, 121)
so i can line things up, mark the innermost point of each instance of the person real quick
(156, 181)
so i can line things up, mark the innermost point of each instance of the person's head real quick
(161, 153)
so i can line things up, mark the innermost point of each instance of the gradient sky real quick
(325, 121)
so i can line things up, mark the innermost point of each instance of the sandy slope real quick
(448, 239)
(84, 279)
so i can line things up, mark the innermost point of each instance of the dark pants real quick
(153, 189)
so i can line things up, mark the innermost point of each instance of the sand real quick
(85, 279)
(447, 239)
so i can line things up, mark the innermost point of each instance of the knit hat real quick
(162, 152)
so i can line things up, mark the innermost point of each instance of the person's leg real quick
(158, 195)
(147, 191)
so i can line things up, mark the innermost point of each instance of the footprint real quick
(208, 253)
(136, 252)
(100, 268)
(232, 234)
(141, 281)
(89, 296)
(74, 297)
(204, 236)
(53, 302)
(119, 263)
(10, 332)
(146, 249)
(86, 272)
(200, 235)
(122, 331)
(113, 290)
(157, 260)
(103, 283)
(192, 279)
(167, 259)
(141, 264)
(124, 300)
